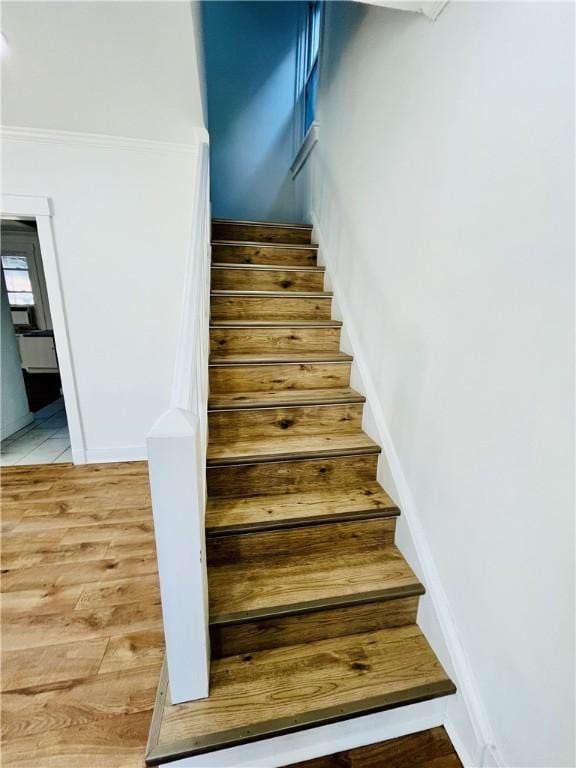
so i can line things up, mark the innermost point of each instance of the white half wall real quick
(103, 114)
(443, 194)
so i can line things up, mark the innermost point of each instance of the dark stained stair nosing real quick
(260, 244)
(302, 522)
(225, 324)
(273, 294)
(306, 399)
(271, 224)
(261, 359)
(271, 458)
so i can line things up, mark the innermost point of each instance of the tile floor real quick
(43, 441)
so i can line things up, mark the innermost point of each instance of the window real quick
(310, 46)
(18, 282)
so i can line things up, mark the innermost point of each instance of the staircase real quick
(312, 607)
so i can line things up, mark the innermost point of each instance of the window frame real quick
(308, 64)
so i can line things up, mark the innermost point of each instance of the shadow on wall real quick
(250, 50)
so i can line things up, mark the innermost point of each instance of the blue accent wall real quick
(250, 54)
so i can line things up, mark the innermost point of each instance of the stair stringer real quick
(465, 717)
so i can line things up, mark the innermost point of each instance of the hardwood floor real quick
(428, 749)
(82, 641)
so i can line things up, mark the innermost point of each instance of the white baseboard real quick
(324, 740)
(13, 426)
(108, 455)
(466, 719)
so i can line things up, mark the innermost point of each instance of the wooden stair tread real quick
(282, 690)
(258, 358)
(225, 400)
(275, 323)
(242, 514)
(266, 267)
(287, 447)
(261, 244)
(274, 294)
(283, 584)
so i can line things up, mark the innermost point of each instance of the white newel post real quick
(177, 467)
(174, 450)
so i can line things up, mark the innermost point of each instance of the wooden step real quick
(262, 587)
(219, 401)
(259, 695)
(284, 340)
(260, 358)
(269, 324)
(292, 477)
(260, 231)
(261, 278)
(249, 425)
(231, 252)
(341, 620)
(285, 448)
(274, 377)
(270, 306)
(245, 514)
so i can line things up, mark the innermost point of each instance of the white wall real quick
(443, 197)
(14, 410)
(250, 71)
(122, 207)
(120, 68)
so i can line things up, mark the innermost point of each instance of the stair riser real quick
(266, 280)
(278, 377)
(257, 233)
(226, 426)
(270, 341)
(264, 308)
(252, 636)
(267, 255)
(291, 476)
(330, 538)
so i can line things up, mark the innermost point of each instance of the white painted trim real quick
(24, 206)
(117, 453)
(40, 208)
(102, 141)
(324, 740)
(430, 8)
(466, 716)
(17, 424)
(308, 144)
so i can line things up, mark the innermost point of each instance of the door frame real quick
(39, 209)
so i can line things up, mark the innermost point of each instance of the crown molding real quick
(102, 141)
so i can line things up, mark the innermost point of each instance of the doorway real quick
(34, 425)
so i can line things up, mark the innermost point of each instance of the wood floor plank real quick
(135, 649)
(130, 590)
(41, 599)
(68, 573)
(52, 664)
(22, 631)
